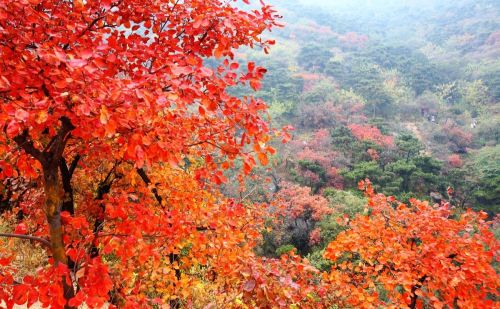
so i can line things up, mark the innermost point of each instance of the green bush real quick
(285, 249)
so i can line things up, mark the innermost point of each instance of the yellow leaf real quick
(104, 115)
(41, 117)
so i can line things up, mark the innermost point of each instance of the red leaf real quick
(21, 115)
(86, 54)
(234, 66)
(206, 72)
(60, 84)
(78, 63)
(4, 83)
(255, 84)
(20, 294)
(249, 285)
(13, 128)
(251, 66)
(21, 229)
(201, 110)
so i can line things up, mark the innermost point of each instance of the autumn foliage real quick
(415, 255)
(370, 133)
(299, 202)
(454, 160)
(119, 132)
(110, 110)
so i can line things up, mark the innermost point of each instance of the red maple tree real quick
(113, 114)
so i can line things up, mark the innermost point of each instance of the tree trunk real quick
(51, 158)
(54, 194)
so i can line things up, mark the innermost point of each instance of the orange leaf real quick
(263, 158)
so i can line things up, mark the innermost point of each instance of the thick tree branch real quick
(43, 241)
(24, 141)
(73, 165)
(56, 146)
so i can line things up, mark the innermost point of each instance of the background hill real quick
(402, 92)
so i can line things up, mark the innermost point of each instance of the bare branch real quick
(43, 241)
(147, 181)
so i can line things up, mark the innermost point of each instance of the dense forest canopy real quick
(424, 73)
(240, 154)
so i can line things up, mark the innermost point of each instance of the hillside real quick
(405, 94)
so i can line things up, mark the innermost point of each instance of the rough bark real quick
(50, 159)
(53, 204)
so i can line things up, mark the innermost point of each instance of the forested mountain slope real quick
(403, 93)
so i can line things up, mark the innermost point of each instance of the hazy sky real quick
(366, 3)
(378, 7)
(361, 2)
